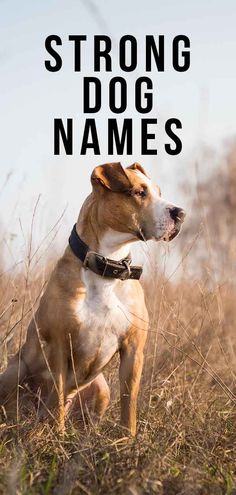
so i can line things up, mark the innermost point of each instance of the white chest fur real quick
(103, 316)
(102, 311)
(103, 319)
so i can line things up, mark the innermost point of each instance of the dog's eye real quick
(141, 193)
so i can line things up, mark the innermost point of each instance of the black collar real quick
(100, 264)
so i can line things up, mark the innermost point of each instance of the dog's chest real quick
(103, 321)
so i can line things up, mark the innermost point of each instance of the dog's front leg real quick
(131, 364)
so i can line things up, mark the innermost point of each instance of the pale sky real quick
(203, 98)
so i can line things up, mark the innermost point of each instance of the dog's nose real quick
(177, 214)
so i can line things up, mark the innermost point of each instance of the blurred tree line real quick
(211, 223)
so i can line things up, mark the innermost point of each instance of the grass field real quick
(186, 429)
(186, 440)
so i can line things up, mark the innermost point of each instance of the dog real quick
(93, 305)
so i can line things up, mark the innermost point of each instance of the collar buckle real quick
(126, 274)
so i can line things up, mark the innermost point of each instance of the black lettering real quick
(148, 96)
(146, 136)
(77, 49)
(126, 136)
(172, 135)
(90, 126)
(88, 108)
(53, 53)
(99, 52)
(185, 54)
(123, 94)
(66, 136)
(151, 50)
(133, 53)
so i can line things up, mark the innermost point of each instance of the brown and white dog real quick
(89, 312)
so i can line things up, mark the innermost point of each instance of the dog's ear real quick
(111, 176)
(137, 166)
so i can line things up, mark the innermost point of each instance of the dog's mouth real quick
(167, 231)
(172, 231)
(170, 235)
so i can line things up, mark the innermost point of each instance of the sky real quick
(203, 98)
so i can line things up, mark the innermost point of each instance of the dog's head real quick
(129, 202)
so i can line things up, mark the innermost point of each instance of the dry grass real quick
(186, 432)
(186, 439)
